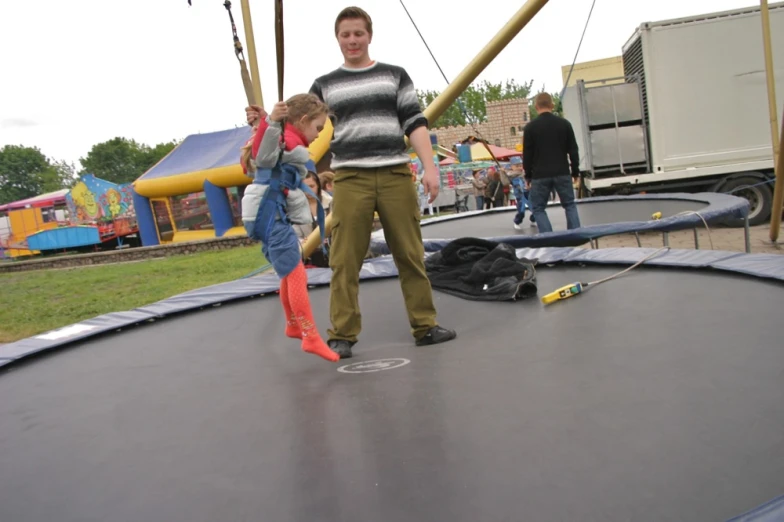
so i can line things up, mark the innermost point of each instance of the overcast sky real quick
(75, 73)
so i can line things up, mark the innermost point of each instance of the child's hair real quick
(305, 105)
(314, 177)
(299, 105)
(245, 154)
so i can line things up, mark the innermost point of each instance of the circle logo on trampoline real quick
(377, 365)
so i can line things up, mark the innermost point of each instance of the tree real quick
(59, 175)
(23, 173)
(471, 107)
(157, 153)
(121, 160)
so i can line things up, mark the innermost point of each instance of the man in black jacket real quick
(550, 154)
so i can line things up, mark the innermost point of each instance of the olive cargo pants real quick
(358, 194)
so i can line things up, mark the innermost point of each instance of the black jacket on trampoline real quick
(481, 270)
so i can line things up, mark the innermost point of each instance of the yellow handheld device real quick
(565, 292)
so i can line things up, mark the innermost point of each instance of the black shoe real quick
(341, 347)
(436, 335)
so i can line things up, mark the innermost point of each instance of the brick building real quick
(504, 125)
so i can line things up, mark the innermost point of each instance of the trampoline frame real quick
(720, 209)
(766, 266)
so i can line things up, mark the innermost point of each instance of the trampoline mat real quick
(656, 396)
(499, 224)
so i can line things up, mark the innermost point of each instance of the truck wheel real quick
(759, 197)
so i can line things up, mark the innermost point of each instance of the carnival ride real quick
(93, 214)
(28, 216)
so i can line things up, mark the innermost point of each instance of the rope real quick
(459, 102)
(279, 43)
(239, 53)
(744, 187)
(238, 50)
(423, 41)
(578, 50)
(694, 212)
(635, 265)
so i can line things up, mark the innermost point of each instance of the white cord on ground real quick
(574, 289)
(635, 265)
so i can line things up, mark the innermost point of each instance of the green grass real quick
(39, 301)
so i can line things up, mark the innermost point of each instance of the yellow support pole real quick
(507, 33)
(771, 79)
(775, 218)
(250, 43)
(778, 190)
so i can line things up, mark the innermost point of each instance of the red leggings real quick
(299, 316)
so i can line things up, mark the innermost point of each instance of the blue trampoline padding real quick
(770, 264)
(202, 152)
(772, 511)
(720, 208)
(755, 265)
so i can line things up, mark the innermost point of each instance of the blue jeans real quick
(480, 202)
(279, 244)
(521, 200)
(540, 193)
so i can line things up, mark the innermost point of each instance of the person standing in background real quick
(551, 161)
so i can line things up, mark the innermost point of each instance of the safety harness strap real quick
(282, 176)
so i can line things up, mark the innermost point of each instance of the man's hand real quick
(420, 140)
(254, 113)
(430, 182)
(528, 184)
(279, 111)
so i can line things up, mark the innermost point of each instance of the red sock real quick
(300, 304)
(292, 326)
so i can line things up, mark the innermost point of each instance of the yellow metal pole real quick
(775, 219)
(774, 125)
(778, 190)
(507, 33)
(250, 43)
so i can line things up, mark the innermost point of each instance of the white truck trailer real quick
(691, 113)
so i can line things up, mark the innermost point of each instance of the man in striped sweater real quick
(374, 106)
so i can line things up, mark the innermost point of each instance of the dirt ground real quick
(727, 239)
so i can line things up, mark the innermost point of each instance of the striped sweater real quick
(372, 109)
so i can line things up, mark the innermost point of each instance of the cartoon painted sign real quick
(93, 199)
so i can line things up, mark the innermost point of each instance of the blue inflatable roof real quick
(201, 152)
(205, 151)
